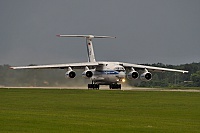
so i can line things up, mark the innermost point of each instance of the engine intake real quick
(146, 76)
(133, 75)
(70, 74)
(87, 74)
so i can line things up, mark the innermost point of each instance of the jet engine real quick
(133, 75)
(87, 74)
(70, 74)
(146, 76)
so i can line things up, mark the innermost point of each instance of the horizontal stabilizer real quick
(85, 36)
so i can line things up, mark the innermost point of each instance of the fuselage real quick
(109, 73)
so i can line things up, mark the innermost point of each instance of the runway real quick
(107, 88)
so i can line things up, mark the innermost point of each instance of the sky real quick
(147, 31)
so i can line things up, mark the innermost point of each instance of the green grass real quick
(41, 110)
(184, 88)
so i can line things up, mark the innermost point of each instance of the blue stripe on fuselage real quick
(112, 72)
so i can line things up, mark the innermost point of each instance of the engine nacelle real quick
(133, 75)
(70, 74)
(87, 74)
(146, 76)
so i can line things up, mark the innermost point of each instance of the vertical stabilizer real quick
(90, 50)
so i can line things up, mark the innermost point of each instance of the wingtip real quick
(11, 67)
(58, 35)
(186, 72)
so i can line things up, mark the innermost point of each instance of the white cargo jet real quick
(101, 72)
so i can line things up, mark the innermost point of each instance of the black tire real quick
(115, 86)
(93, 86)
(110, 86)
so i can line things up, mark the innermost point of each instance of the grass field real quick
(53, 110)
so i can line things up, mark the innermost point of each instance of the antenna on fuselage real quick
(90, 50)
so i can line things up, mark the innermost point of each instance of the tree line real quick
(173, 79)
(55, 77)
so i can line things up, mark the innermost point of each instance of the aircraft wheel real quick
(115, 86)
(93, 86)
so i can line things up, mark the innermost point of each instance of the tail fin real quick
(90, 50)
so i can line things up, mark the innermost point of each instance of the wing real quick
(151, 68)
(59, 66)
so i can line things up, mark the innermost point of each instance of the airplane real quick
(103, 72)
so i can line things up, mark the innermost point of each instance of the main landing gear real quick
(115, 86)
(96, 86)
(93, 86)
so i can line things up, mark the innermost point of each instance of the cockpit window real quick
(119, 69)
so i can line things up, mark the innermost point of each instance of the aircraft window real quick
(120, 69)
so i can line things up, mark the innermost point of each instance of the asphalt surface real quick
(107, 88)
